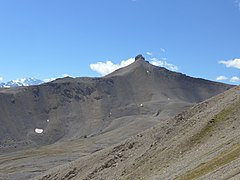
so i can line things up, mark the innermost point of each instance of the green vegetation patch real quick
(222, 116)
(222, 159)
(227, 112)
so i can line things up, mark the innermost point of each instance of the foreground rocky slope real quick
(200, 143)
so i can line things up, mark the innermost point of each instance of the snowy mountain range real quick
(21, 82)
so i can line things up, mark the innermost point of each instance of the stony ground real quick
(201, 143)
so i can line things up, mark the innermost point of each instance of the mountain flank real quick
(86, 106)
(200, 143)
(60, 121)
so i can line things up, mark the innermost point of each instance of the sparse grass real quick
(222, 118)
(208, 129)
(224, 114)
(222, 159)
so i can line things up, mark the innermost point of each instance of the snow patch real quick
(38, 131)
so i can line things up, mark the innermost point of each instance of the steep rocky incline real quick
(200, 143)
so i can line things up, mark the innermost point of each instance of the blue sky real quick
(49, 38)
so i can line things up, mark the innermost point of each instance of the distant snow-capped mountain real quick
(21, 82)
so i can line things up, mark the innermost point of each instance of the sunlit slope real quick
(201, 143)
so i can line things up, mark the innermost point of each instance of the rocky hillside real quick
(68, 107)
(200, 143)
(50, 124)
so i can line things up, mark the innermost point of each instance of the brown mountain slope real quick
(81, 107)
(83, 115)
(200, 143)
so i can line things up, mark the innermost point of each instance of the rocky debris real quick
(71, 174)
(116, 156)
(185, 152)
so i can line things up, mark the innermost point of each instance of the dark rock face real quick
(139, 57)
(84, 107)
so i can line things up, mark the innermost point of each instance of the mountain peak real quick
(140, 64)
(139, 57)
(21, 82)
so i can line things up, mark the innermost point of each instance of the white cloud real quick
(162, 50)
(149, 53)
(163, 63)
(238, 3)
(49, 79)
(107, 67)
(232, 63)
(221, 78)
(235, 79)
(54, 78)
(1, 78)
(66, 75)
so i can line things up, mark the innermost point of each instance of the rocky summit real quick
(139, 57)
(83, 120)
